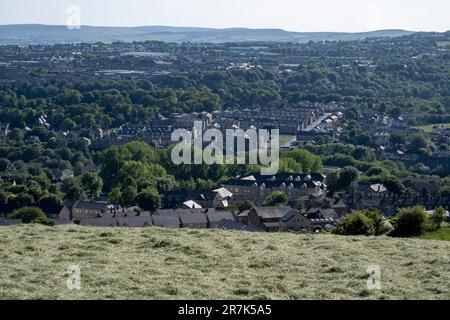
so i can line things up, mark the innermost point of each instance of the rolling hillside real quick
(155, 263)
(50, 34)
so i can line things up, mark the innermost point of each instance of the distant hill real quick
(50, 34)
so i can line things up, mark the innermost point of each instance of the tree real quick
(129, 194)
(276, 198)
(149, 200)
(444, 191)
(16, 134)
(394, 185)
(332, 182)
(72, 189)
(20, 200)
(417, 143)
(347, 175)
(397, 138)
(50, 203)
(115, 197)
(28, 214)
(410, 222)
(246, 205)
(92, 183)
(437, 217)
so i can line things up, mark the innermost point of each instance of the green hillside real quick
(155, 263)
(50, 34)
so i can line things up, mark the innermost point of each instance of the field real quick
(442, 234)
(155, 263)
(429, 128)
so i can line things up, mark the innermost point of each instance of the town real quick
(87, 131)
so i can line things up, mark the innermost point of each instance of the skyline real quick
(290, 15)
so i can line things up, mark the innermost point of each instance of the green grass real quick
(429, 128)
(154, 263)
(285, 138)
(442, 234)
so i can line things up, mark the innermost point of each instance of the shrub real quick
(410, 222)
(30, 215)
(436, 218)
(365, 222)
(355, 224)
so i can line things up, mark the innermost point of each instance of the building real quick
(136, 221)
(295, 221)
(297, 187)
(193, 220)
(268, 218)
(215, 217)
(85, 209)
(98, 222)
(166, 221)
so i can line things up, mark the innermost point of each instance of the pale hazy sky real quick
(294, 15)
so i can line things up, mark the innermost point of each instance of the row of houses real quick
(297, 187)
(262, 219)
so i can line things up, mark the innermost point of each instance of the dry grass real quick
(155, 263)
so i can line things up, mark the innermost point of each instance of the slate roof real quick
(217, 216)
(166, 221)
(91, 205)
(99, 222)
(232, 225)
(271, 212)
(137, 221)
(193, 218)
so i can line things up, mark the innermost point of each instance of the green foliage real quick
(355, 224)
(410, 222)
(394, 185)
(437, 218)
(276, 198)
(339, 180)
(149, 200)
(71, 187)
(29, 215)
(365, 222)
(246, 205)
(91, 184)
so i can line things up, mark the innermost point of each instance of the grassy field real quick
(442, 234)
(429, 128)
(155, 263)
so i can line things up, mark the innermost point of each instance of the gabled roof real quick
(217, 216)
(192, 204)
(138, 221)
(271, 212)
(166, 221)
(189, 218)
(224, 193)
(232, 225)
(289, 215)
(99, 222)
(91, 205)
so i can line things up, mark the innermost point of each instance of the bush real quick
(436, 218)
(410, 222)
(355, 224)
(30, 215)
(366, 222)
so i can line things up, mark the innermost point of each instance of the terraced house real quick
(257, 187)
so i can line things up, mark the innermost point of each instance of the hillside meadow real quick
(154, 263)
